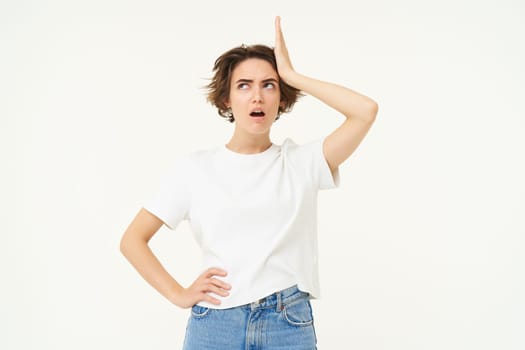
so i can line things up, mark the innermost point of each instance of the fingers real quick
(282, 58)
(201, 288)
(220, 283)
(211, 299)
(214, 285)
(214, 271)
(279, 40)
(280, 45)
(217, 288)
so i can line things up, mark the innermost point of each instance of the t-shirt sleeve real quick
(311, 154)
(171, 200)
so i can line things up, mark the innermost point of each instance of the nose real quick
(257, 96)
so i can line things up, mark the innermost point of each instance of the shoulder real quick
(305, 149)
(182, 165)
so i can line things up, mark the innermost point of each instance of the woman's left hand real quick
(284, 65)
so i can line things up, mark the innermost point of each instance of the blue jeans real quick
(282, 320)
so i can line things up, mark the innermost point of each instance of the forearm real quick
(346, 101)
(138, 253)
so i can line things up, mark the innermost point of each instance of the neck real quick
(249, 144)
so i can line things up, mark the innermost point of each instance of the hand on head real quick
(284, 64)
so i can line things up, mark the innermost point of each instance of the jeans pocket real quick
(298, 313)
(198, 311)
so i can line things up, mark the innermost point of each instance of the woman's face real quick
(254, 95)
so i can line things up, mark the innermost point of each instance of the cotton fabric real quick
(254, 215)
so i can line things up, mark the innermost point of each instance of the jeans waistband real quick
(278, 299)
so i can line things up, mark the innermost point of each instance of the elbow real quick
(129, 244)
(373, 109)
(123, 245)
(367, 114)
(367, 111)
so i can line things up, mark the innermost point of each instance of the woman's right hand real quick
(282, 58)
(198, 291)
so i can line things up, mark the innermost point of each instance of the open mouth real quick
(257, 114)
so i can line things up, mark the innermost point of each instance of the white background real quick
(422, 245)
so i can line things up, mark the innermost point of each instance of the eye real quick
(242, 86)
(269, 85)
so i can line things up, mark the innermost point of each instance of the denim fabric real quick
(282, 320)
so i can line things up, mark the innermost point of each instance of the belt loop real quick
(279, 301)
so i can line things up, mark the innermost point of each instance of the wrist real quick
(293, 79)
(175, 293)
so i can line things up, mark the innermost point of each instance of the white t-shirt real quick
(254, 215)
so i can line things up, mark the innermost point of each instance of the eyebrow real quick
(251, 80)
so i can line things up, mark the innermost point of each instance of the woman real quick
(252, 207)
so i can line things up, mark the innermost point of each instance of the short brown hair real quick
(219, 87)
